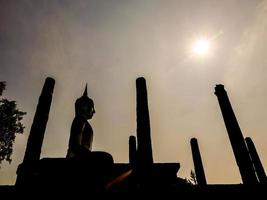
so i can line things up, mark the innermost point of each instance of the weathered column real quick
(132, 150)
(144, 147)
(256, 160)
(35, 140)
(198, 165)
(236, 137)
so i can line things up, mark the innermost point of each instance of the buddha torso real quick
(81, 137)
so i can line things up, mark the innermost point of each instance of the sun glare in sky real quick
(201, 47)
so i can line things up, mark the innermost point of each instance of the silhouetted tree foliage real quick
(2, 87)
(10, 125)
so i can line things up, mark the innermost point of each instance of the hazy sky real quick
(109, 43)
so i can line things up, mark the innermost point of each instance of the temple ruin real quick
(141, 173)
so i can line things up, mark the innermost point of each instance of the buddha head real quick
(84, 106)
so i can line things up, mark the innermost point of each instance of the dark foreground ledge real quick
(172, 192)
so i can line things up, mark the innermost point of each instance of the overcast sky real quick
(109, 43)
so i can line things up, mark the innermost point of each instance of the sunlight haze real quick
(108, 44)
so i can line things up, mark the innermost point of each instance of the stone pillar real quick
(132, 150)
(199, 169)
(35, 140)
(256, 160)
(144, 160)
(144, 147)
(236, 137)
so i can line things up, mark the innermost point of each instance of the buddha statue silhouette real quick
(81, 134)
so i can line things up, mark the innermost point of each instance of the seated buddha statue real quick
(81, 134)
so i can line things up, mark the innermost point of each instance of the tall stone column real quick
(132, 150)
(236, 137)
(198, 165)
(256, 160)
(144, 147)
(35, 140)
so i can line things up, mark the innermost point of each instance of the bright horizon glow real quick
(201, 47)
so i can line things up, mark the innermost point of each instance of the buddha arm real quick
(77, 129)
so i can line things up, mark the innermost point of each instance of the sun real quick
(201, 47)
